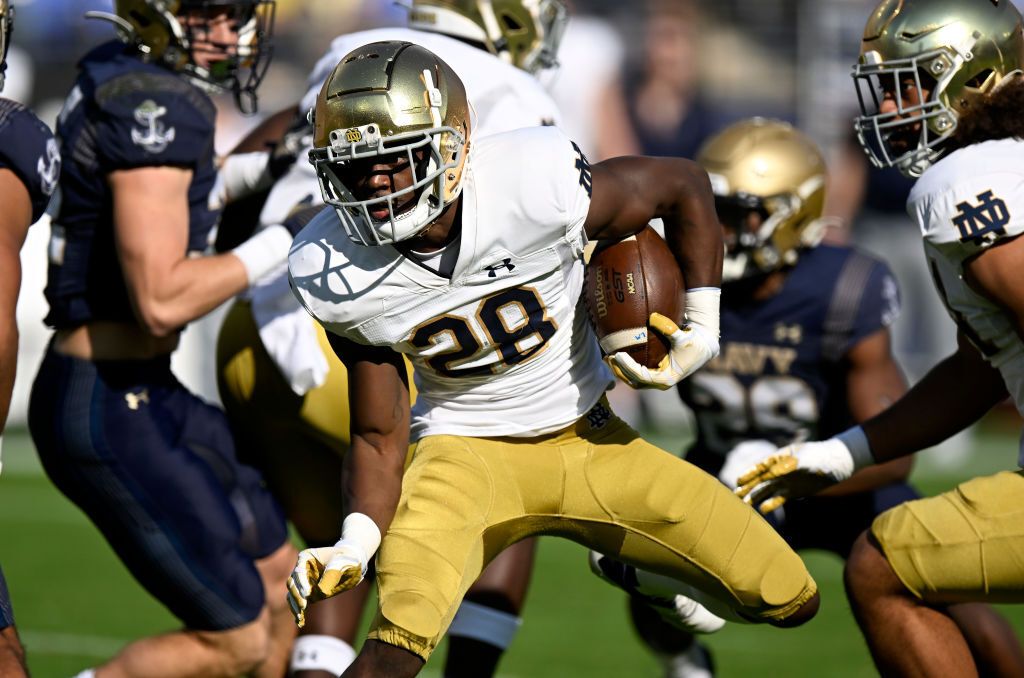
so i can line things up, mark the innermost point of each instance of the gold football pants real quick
(960, 546)
(597, 483)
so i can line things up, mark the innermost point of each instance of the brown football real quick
(626, 281)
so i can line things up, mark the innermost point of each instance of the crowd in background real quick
(655, 77)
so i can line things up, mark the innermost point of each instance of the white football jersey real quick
(503, 348)
(965, 203)
(503, 98)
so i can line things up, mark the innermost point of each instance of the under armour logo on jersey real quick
(983, 222)
(792, 334)
(598, 416)
(583, 165)
(48, 167)
(492, 270)
(136, 399)
(154, 137)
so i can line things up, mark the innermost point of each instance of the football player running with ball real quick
(805, 353)
(470, 262)
(29, 168)
(152, 465)
(942, 92)
(285, 391)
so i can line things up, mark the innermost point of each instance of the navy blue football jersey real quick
(122, 114)
(781, 373)
(28, 149)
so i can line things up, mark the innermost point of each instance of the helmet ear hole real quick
(978, 81)
(512, 25)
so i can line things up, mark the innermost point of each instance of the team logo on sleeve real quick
(983, 222)
(154, 136)
(48, 167)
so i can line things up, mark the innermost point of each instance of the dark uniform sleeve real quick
(148, 120)
(879, 305)
(28, 149)
(865, 298)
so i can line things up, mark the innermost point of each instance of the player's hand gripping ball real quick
(626, 282)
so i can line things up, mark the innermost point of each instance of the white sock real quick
(88, 673)
(485, 624)
(321, 653)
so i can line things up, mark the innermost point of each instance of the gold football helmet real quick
(390, 99)
(155, 28)
(6, 28)
(954, 50)
(765, 166)
(525, 33)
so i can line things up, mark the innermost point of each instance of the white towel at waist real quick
(288, 333)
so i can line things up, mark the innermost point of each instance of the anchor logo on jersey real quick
(48, 167)
(136, 399)
(492, 270)
(983, 222)
(154, 137)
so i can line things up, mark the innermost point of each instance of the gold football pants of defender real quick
(597, 483)
(960, 546)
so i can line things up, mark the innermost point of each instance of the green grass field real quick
(76, 605)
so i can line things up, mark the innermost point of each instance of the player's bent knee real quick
(801, 615)
(241, 649)
(786, 593)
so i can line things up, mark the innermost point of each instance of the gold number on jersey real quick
(514, 320)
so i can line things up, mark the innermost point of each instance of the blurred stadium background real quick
(656, 77)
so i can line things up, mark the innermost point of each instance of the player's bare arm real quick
(379, 402)
(952, 396)
(167, 288)
(630, 191)
(873, 382)
(372, 474)
(14, 223)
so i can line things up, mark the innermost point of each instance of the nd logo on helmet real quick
(353, 136)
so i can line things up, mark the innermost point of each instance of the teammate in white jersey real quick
(470, 263)
(283, 387)
(942, 93)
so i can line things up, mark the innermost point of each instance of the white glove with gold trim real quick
(803, 469)
(690, 346)
(329, 570)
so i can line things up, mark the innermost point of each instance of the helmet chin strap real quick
(125, 31)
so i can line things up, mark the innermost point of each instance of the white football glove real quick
(742, 458)
(690, 347)
(324, 572)
(803, 469)
(329, 570)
